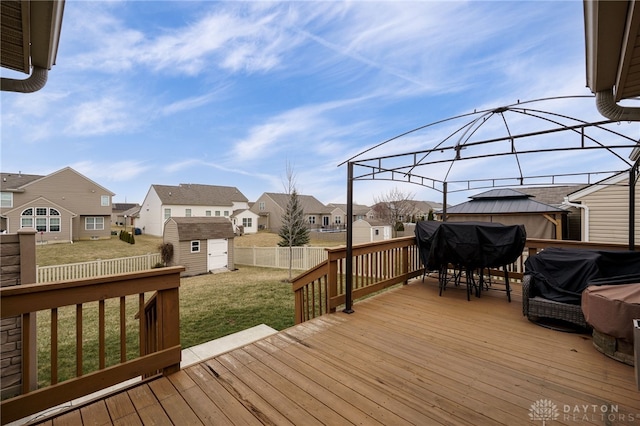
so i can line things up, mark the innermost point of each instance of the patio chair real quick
(536, 307)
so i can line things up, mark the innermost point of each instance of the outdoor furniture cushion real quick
(562, 274)
(611, 309)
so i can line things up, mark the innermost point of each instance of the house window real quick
(338, 220)
(195, 246)
(377, 232)
(94, 223)
(6, 199)
(167, 214)
(207, 213)
(187, 212)
(45, 220)
(54, 220)
(261, 205)
(54, 224)
(26, 218)
(226, 213)
(104, 200)
(246, 222)
(41, 224)
(217, 212)
(312, 220)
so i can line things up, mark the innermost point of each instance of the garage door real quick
(217, 254)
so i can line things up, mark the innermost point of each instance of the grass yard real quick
(86, 251)
(211, 306)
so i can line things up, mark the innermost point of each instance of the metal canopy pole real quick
(349, 259)
(444, 201)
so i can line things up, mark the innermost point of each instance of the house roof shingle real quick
(203, 228)
(199, 195)
(309, 203)
(15, 181)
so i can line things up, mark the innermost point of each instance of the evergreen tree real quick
(294, 231)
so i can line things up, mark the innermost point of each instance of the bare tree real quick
(294, 231)
(394, 207)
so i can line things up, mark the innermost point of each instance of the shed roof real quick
(502, 201)
(199, 195)
(202, 228)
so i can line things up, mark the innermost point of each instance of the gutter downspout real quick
(33, 83)
(608, 107)
(585, 208)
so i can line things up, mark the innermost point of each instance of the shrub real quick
(166, 253)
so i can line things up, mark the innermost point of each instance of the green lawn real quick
(211, 306)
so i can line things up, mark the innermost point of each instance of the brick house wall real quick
(17, 266)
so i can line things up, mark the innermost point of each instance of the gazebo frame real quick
(405, 164)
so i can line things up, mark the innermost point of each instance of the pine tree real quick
(294, 231)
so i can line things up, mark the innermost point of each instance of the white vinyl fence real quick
(96, 268)
(278, 257)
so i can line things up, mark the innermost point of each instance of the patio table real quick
(469, 247)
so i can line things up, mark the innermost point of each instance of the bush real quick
(127, 237)
(166, 253)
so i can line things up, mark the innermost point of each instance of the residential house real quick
(421, 210)
(119, 210)
(187, 200)
(244, 221)
(339, 214)
(200, 244)
(270, 207)
(511, 207)
(62, 206)
(604, 209)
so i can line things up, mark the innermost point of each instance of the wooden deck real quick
(406, 356)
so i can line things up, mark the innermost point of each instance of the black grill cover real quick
(562, 274)
(469, 244)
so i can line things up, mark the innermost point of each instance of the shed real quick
(370, 230)
(200, 244)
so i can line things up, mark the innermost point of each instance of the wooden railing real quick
(379, 265)
(96, 297)
(96, 268)
(376, 266)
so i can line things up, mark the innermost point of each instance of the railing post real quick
(169, 324)
(405, 262)
(332, 280)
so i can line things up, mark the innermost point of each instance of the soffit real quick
(612, 44)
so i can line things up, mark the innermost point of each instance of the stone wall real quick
(17, 266)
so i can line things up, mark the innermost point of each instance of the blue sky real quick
(230, 93)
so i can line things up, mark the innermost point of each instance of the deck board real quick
(406, 356)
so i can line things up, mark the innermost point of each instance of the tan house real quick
(189, 200)
(62, 206)
(200, 244)
(605, 210)
(339, 214)
(120, 210)
(271, 206)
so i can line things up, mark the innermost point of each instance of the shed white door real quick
(216, 254)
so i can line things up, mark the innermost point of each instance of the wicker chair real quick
(537, 307)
